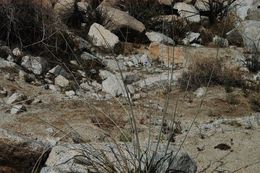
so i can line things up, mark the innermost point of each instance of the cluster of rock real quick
(83, 158)
(106, 35)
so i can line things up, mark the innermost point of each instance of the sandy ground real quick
(57, 118)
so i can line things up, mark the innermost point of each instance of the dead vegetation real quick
(204, 71)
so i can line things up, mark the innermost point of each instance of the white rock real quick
(191, 37)
(202, 5)
(96, 86)
(115, 65)
(116, 19)
(83, 6)
(136, 96)
(17, 109)
(64, 6)
(257, 76)
(15, 97)
(17, 52)
(85, 86)
(37, 65)
(10, 58)
(200, 92)
(159, 37)
(6, 64)
(145, 60)
(250, 31)
(102, 37)
(64, 158)
(187, 11)
(70, 93)
(82, 73)
(104, 74)
(54, 88)
(159, 79)
(61, 81)
(242, 7)
(59, 70)
(113, 86)
(50, 130)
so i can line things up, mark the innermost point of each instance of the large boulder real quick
(242, 7)
(187, 11)
(20, 152)
(116, 19)
(102, 37)
(249, 30)
(83, 158)
(254, 12)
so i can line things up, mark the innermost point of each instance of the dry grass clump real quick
(255, 102)
(210, 70)
(34, 27)
(26, 23)
(109, 121)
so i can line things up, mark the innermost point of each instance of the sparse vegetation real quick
(199, 74)
(255, 102)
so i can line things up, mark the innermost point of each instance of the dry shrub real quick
(255, 102)
(26, 23)
(34, 28)
(108, 121)
(203, 70)
(220, 28)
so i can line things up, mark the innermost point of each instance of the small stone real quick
(85, 86)
(36, 101)
(136, 97)
(54, 88)
(96, 86)
(58, 70)
(187, 11)
(257, 76)
(10, 58)
(7, 64)
(61, 81)
(70, 93)
(190, 38)
(82, 73)
(37, 65)
(145, 60)
(17, 52)
(14, 98)
(3, 93)
(200, 92)
(113, 86)
(115, 65)
(50, 130)
(17, 109)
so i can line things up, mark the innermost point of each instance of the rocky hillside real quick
(129, 86)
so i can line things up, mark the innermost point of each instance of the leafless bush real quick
(26, 23)
(216, 9)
